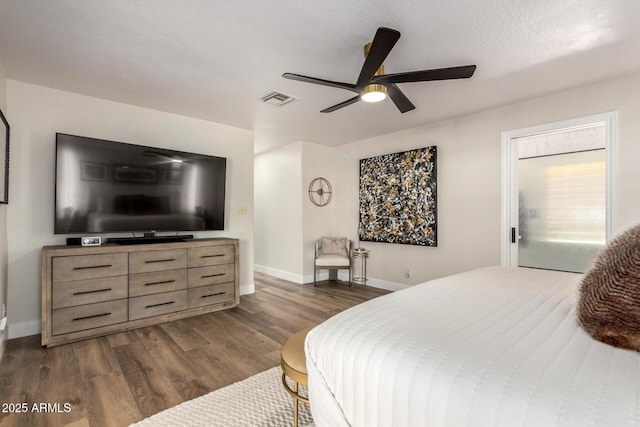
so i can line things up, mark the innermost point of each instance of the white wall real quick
(317, 161)
(469, 156)
(3, 220)
(287, 223)
(469, 165)
(37, 113)
(468, 201)
(278, 212)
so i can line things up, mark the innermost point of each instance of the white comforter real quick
(492, 347)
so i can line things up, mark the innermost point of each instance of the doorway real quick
(558, 193)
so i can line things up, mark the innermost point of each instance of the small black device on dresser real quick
(74, 241)
(84, 241)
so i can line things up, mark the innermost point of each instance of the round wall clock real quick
(320, 191)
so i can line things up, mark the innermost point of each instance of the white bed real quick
(492, 347)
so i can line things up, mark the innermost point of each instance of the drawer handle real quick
(160, 304)
(213, 295)
(211, 256)
(91, 317)
(160, 260)
(92, 292)
(93, 266)
(159, 283)
(212, 275)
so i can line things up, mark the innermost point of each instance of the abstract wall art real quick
(398, 198)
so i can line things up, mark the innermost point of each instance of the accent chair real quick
(332, 253)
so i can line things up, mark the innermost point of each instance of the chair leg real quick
(350, 277)
(314, 277)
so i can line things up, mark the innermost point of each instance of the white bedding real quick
(497, 346)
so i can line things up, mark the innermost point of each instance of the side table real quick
(360, 254)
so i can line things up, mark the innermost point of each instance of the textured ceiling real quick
(214, 59)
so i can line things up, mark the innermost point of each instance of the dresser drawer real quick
(153, 305)
(203, 276)
(211, 255)
(79, 292)
(156, 282)
(72, 319)
(147, 261)
(213, 294)
(80, 267)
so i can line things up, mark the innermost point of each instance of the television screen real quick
(105, 186)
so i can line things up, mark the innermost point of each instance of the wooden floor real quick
(123, 378)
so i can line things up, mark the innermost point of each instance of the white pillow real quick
(334, 246)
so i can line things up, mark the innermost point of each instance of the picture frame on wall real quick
(4, 160)
(90, 171)
(135, 174)
(398, 202)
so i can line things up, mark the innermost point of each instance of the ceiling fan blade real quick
(463, 72)
(382, 44)
(342, 104)
(314, 80)
(399, 98)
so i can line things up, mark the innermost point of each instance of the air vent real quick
(277, 98)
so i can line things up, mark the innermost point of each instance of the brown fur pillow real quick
(609, 302)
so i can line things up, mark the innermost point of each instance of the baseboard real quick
(377, 283)
(285, 275)
(385, 284)
(248, 289)
(321, 275)
(24, 329)
(324, 275)
(3, 342)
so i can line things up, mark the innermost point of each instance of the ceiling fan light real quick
(373, 93)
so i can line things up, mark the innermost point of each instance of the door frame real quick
(509, 177)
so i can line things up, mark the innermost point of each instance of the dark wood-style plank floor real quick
(122, 378)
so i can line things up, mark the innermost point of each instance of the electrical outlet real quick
(407, 273)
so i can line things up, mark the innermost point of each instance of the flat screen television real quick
(108, 187)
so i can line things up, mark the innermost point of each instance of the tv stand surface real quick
(149, 239)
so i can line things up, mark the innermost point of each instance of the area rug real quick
(258, 401)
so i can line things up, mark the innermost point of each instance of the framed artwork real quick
(90, 171)
(4, 160)
(135, 174)
(172, 176)
(398, 198)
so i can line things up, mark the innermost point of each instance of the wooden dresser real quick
(93, 291)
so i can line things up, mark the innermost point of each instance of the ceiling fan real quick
(373, 85)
